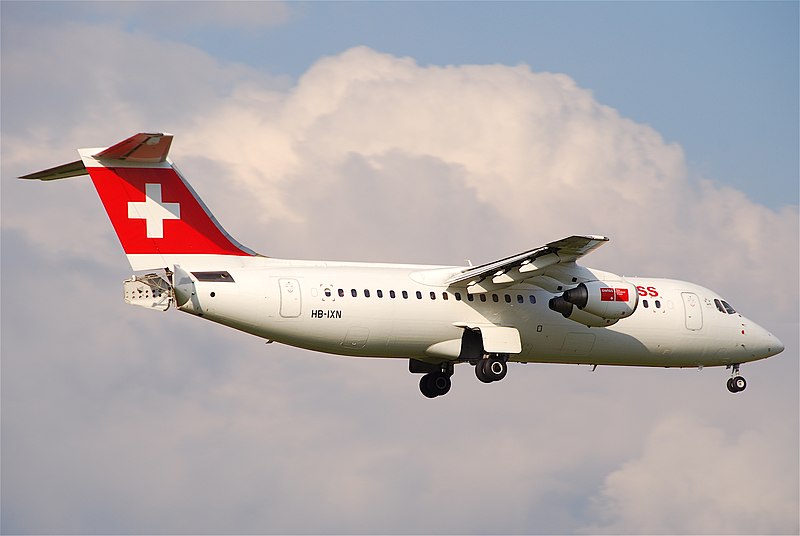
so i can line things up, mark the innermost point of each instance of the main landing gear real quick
(435, 384)
(736, 383)
(436, 376)
(492, 368)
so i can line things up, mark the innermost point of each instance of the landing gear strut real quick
(492, 368)
(736, 383)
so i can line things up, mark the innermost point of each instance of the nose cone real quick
(777, 346)
(762, 343)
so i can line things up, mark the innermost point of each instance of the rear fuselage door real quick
(291, 301)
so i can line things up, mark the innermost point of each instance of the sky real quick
(399, 132)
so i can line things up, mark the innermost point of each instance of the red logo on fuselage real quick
(649, 291)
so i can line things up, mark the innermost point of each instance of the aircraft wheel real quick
(738, 383)
(435, 384)
(425, 386)
(495, 368)
(731, 387)
(479, 371)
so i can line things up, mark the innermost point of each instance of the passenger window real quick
(379, 293)
(508, 298)
(470, 297)
(458, 296)
(366, 293)
(728, 307)
(341, 293)
(392, 294)
(520, 299)
(419, 295)
(433, 295)
(533, 298)
(354, 293)
(658, 304)
(483, 297)
(327, 293)
(495, 298)
(644, 304)
(405, 295)
(445, 296)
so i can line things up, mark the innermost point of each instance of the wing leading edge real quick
(526, 267)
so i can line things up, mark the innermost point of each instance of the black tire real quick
(495, 368)
(440, 383)
(426, 387)
(479, 373)
(731, 387)
(739, 383)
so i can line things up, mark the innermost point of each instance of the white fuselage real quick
(387, 310)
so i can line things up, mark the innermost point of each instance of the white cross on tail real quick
(154, 211)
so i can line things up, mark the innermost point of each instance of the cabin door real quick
(291, 302)
(693, 311)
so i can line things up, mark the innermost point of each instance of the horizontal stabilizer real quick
(142, 147)
(65, 171)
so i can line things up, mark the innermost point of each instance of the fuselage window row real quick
(445, 296)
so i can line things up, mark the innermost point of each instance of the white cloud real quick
(693, 478)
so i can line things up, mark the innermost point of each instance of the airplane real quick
(539, 306)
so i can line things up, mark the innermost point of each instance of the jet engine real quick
(597, 303)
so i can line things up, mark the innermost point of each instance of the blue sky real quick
(404, 132)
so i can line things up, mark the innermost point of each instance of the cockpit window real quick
(724, 307)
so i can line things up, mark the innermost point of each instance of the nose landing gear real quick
(736, 383)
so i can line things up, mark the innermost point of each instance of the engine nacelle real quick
(569, 310)
(606, 299)
(597, 303)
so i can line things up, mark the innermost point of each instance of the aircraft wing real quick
(528, 266)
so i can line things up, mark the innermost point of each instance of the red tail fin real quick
(157, 216)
